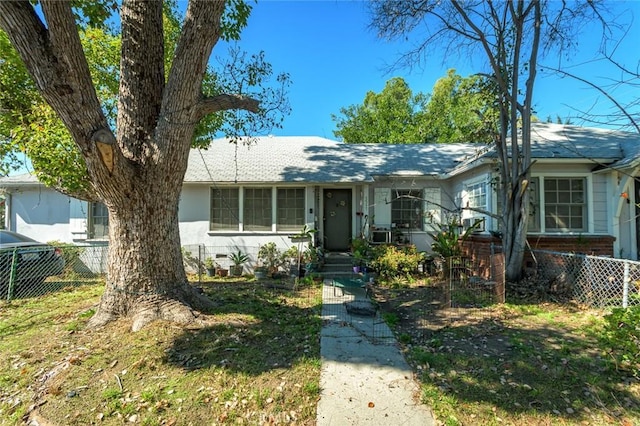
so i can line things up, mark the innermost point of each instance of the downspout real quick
(7, 211)
(624, 186)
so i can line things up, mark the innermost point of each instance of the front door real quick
(337, 219)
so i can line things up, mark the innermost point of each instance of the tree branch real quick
(56, 62)
(226, 102)
(200, 32)
(618, 105)
(141, 73)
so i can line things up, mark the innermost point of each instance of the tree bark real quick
(141, 182)
(146, 279)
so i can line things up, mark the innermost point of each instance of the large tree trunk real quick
(146, 279)
(515, 235)
(136, 172)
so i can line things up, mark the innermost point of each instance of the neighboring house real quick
(583, 193)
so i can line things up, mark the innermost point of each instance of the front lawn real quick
(512, 364)
(256, 361)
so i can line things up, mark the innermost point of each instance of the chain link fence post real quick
(625, 286)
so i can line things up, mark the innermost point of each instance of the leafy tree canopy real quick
(390, 116)
(460, 109)
(29, 125)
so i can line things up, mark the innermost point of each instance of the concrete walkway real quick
(364, 379)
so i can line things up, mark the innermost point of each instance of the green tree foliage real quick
(29, 125)
(17, 96)
(391, 116)
(460, 109)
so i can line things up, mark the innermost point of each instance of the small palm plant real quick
(238, 259)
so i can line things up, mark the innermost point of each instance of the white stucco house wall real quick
(584, 188)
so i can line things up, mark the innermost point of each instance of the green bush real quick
(622, 337)
(390, 261)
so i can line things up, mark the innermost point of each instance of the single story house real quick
(584, 194)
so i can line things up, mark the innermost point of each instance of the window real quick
(290, 211)
(564, 204)
(257, 209)
(406, 209)
(98, 221)
(224, 209)
(252, 209)
(477, 195)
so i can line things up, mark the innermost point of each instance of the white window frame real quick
(416, 219)
(273, 227)
(296, 226)
(91, 218)
(587, 209)
(466, 196)
(239, 212)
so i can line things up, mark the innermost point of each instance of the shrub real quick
(271, 257)
(390, 261)
(622, 337)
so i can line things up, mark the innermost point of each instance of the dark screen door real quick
(337, 219)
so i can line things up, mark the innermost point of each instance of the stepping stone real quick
(362, 308)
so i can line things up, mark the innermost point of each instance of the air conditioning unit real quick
(478, 222)
(380, 237)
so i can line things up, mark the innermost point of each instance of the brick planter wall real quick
(601, 245)
(478, 247)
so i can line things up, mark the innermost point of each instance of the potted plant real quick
(260, 272)
(360, 250)
(210, 266)
(312, 257)
(304, 236)
(271, 257)
(238, 259)
(292, 259)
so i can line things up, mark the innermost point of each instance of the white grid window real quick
(257, 209)
(477, 195)
(565, 204)
(406, 209)
(290, 209)
(224, 209)
(98, 221)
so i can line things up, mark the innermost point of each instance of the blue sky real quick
(334, 59)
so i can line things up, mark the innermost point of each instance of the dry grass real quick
(511, 364)
(256, 362)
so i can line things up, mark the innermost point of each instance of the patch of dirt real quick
(439, 318)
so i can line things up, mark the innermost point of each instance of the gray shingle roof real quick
(273, 159)
(19, 180)
(297, 159)
(562, 141)
(318, 160)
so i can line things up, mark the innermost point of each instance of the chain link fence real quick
(594, 281)
(30, 271)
